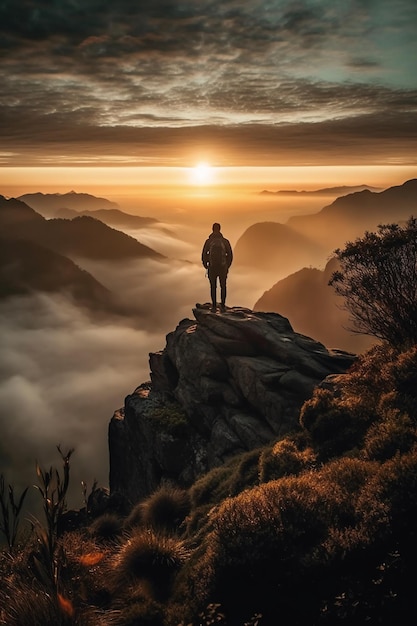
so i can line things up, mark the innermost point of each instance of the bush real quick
(287, 457)
(107, 527)
(260, 551)
(378, 281)
(150, 558)
(334, 425)
(395, 433)
(164, 511)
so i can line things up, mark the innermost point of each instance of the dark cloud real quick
(86, 74)
(65, 138)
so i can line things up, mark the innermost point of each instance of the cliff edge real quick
(224, 384)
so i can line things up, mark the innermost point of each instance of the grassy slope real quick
(315, 529)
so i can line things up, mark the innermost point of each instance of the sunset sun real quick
(202, 174)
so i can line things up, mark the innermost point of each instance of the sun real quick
(202, 174)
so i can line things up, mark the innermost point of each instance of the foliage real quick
(335, 426)
(315, 528)
(169, 418)
(107, 527)
(289, 456)
(148, 557)
(370, 408)
(164, 510)
(139, 611)
(231, 478)
(378, 280)
(10, 509)
(53, 489)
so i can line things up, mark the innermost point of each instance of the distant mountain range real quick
(54, 247)
(349, 216)
(327, 191)
(27, 267)
(48, 203)
(306, 240)
(80, 237)
(41, 254)
(72, 204)
(304, 295)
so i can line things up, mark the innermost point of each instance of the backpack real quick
(217, 253)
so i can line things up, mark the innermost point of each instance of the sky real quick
(233, 83)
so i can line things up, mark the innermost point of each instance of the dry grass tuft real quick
(149, 557)
(163, 511)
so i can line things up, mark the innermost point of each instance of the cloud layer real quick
(254, 82)
(64, 372)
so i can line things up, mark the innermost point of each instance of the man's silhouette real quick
(217, 257)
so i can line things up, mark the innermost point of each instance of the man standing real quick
(217, 257)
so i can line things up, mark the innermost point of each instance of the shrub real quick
(317, 531)
(245, 473)
(152, 558)
(165, 510)
(402, 370)
(287, 457)
(234, 476)
(84, 570)
(378, 281)
(107, 527)
(32, 606)
(397, 485)
(395, 433)
(334, 425)
(260, 547)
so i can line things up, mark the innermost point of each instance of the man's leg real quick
(213, 287)
(223, 292)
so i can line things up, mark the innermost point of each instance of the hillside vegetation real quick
(316, 528)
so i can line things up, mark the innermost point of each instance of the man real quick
(217, 257)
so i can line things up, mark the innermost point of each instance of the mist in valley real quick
(64, 370)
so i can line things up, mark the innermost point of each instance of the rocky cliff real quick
(223, 384)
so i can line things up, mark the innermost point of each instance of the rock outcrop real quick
(224, 384)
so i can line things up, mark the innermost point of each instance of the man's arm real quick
(204, 256)
(229, 253)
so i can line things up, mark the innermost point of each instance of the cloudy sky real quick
(242, 82)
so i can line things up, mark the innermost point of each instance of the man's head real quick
(216, 227)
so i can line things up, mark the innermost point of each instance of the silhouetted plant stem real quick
(53, 489)
(10, 511)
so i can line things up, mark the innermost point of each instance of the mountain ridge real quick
(326, 191)
(349, 216)
(111, 217)
(27, 267)
(45, 255)
(50, 202)
(309, 239)
(82, 236)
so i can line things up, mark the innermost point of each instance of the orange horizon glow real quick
(15, 181)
